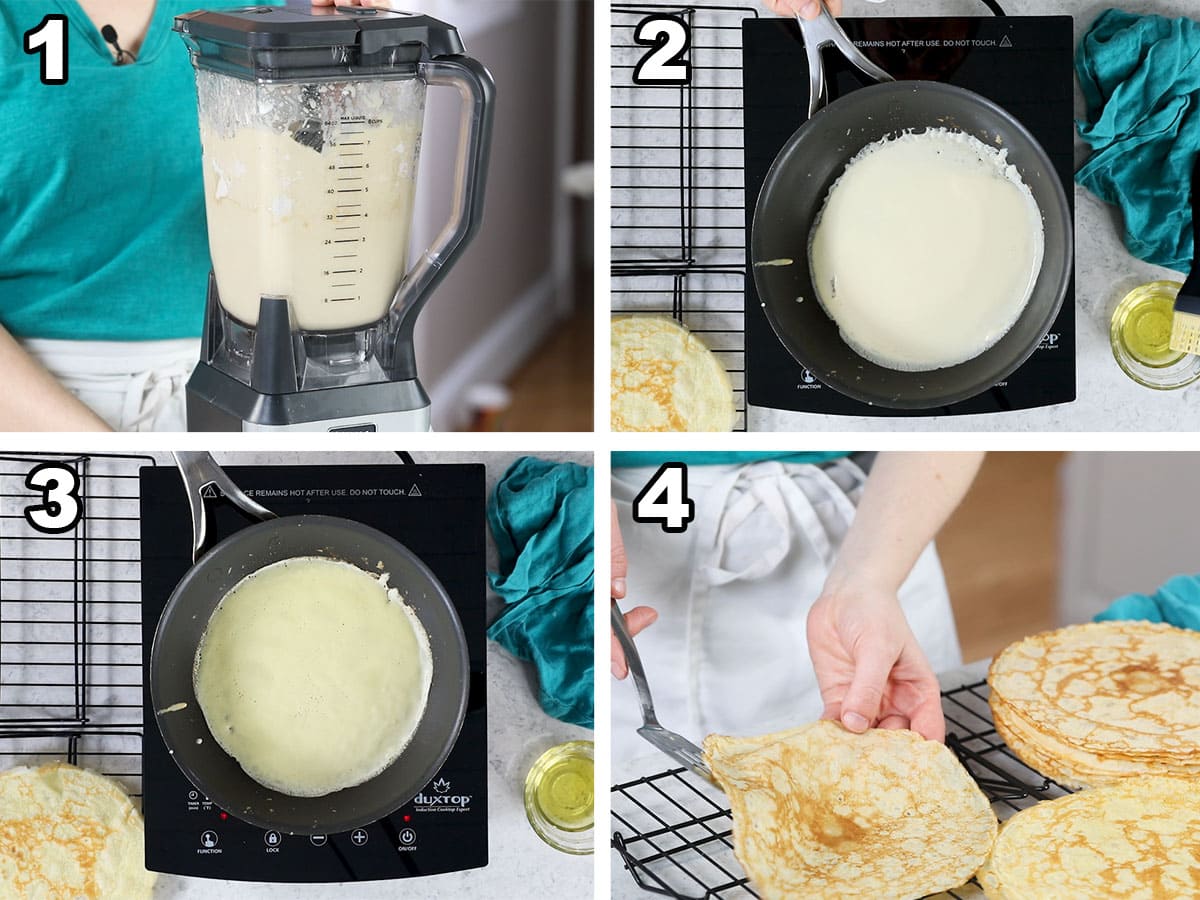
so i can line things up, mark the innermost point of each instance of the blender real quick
(311, 124)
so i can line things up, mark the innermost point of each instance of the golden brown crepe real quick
(1091, 704)
(69, 834)
(665, 379)
(821, 812)
(1136, 840)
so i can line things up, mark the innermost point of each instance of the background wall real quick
(1048, 539)
(1000, 552)
(499, 302)
(1129, 524)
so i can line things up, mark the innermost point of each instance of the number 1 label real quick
(49, 38)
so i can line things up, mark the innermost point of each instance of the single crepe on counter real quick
(819, 811)
(1135, 840)
(664, 378)
(70, 833)
(1092, 704)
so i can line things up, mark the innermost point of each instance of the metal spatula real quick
(674, 745)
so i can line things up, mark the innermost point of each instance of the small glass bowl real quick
(575, 838)
(1141, 326)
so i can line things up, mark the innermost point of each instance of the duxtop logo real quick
(440, 799)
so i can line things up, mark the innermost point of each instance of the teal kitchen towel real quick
(1177, 603)
(543, 520)
(1141, 79)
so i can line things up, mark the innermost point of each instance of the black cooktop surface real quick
(1024, 64)
(438, 513)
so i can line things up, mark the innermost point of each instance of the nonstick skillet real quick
(799, 181)
(186, 616)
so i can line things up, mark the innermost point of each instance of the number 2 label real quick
(664, 500)
(670, 38)
(61, 505)
(49, 38)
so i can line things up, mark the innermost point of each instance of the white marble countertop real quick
(1107, 400)
(518, 732)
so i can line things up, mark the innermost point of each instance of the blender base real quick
(219, 402)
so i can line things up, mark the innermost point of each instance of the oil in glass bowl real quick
(560, 797)
(1141, 338)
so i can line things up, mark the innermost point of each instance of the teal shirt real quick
(102, 230)
(632, 459)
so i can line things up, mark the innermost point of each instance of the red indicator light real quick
(408, 818)
(224, 816)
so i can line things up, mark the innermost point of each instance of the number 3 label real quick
(61, 505)
(664, 500)
(49, 38)
(670, 38)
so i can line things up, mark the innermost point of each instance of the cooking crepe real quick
(665, 379)
(69, 833)
(1135, 840)
(1090, 704)
(821, 812)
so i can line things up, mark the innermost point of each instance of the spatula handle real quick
(634, 660)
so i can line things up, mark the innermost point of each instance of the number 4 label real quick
(664, 500)
(670, 38)
(49, 38)
(61, 505)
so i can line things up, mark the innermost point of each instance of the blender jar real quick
(308, 189)
(311, 123)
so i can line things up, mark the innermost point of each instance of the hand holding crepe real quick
(822, 812)
(871, 670)
(69, 833)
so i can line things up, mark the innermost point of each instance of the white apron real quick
(131, 385)
(728, 653)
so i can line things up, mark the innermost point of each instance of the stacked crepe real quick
(1092, 704)
(821, 812)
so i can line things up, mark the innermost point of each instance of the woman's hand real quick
(805, 9)
(870, 669)
(637, 618)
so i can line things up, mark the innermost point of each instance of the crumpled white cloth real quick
(131, 385)
(729, 652)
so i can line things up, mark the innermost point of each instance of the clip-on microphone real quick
(110, 35)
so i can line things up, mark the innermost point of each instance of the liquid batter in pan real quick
(927, 250)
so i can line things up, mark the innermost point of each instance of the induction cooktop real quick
(437, 511)
(1022, 63)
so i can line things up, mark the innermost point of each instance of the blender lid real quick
(270, 42)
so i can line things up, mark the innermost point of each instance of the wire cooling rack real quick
(678, 193)
(674, 832)
(70, 622)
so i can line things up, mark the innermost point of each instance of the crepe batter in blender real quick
(337, 256)
(311, 125)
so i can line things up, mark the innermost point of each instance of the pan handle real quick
(198, 470)
(819, 33)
